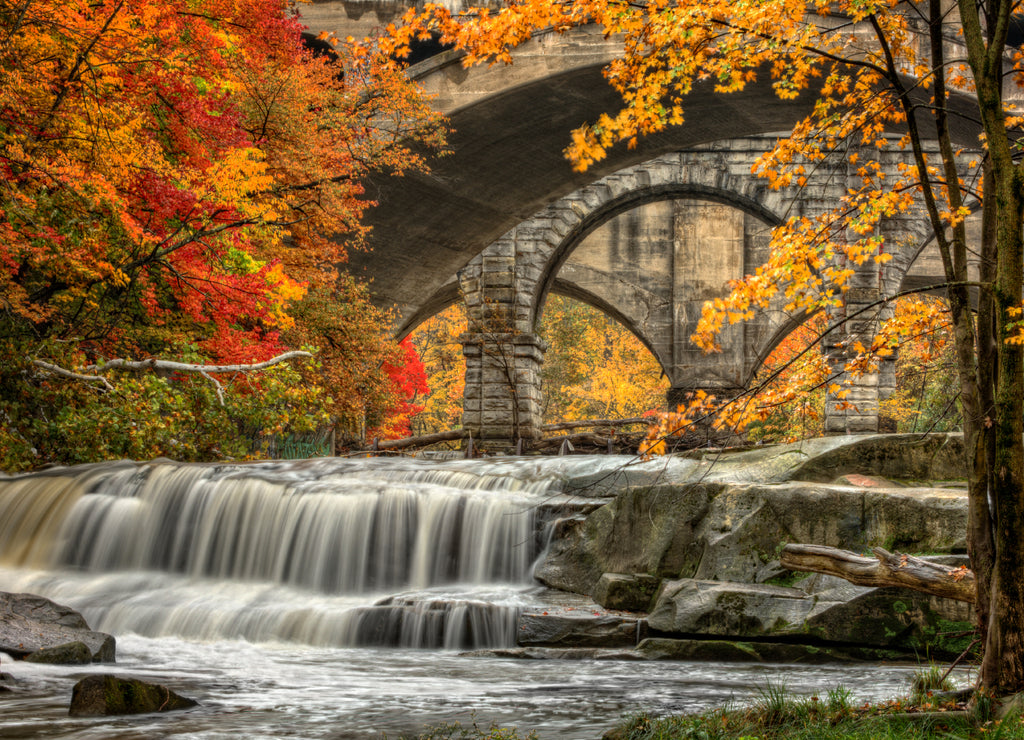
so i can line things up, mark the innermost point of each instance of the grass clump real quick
(777, 715)
(927, 680)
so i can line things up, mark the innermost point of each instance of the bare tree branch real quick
(165, 365)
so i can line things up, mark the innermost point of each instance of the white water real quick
(267, 591)
(322, 552)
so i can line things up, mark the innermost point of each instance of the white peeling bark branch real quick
(185, 367)
(206, 371)
(64, 373)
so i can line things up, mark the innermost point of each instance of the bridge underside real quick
(507, 164)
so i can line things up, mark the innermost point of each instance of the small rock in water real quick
(100, 695)
(70, 653)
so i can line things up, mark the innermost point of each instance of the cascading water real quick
(326, 552)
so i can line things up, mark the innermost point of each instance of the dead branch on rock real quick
(886, 569)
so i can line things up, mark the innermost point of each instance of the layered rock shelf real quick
(686, 563)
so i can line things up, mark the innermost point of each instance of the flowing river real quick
(331, 598)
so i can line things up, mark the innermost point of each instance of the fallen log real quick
(886, 569)
(422, 440)
(613, 423)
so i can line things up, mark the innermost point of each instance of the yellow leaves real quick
(1015, 329)
(239, 174)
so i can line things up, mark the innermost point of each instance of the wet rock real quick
(643, 530)
(70, 653)
(628, 592)
(695, 607)
(101, 695)
(726, 651)
(30, 623)
(577, 630)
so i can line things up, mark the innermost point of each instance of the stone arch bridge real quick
(504, 220)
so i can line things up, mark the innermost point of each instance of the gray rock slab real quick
(577, 630)
(737, 610)
(30, 623)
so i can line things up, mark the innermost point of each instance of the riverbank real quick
(777, 715)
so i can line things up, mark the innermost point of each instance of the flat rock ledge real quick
(103, 695)
(38, 629)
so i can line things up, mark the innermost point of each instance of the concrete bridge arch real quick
(505, 287)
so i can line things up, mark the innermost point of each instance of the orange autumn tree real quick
(886, 76)
(177, 177)
(437, 341)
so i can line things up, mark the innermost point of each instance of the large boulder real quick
(102, 695)
(871, 618)
(916, 457)
(730, 531)
(748, 524)
(643, 530)
(29, 624)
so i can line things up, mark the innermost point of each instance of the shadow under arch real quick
(447, 296)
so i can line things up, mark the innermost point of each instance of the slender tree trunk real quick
(1002, 670)
(979, 516)
(1003, 665)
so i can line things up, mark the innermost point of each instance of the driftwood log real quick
(886, 569)
(607, 423)
(580, 438)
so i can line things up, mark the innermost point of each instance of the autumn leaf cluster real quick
(180, 176)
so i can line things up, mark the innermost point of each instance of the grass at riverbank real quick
(777, 715)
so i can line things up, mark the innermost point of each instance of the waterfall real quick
(327, 552)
